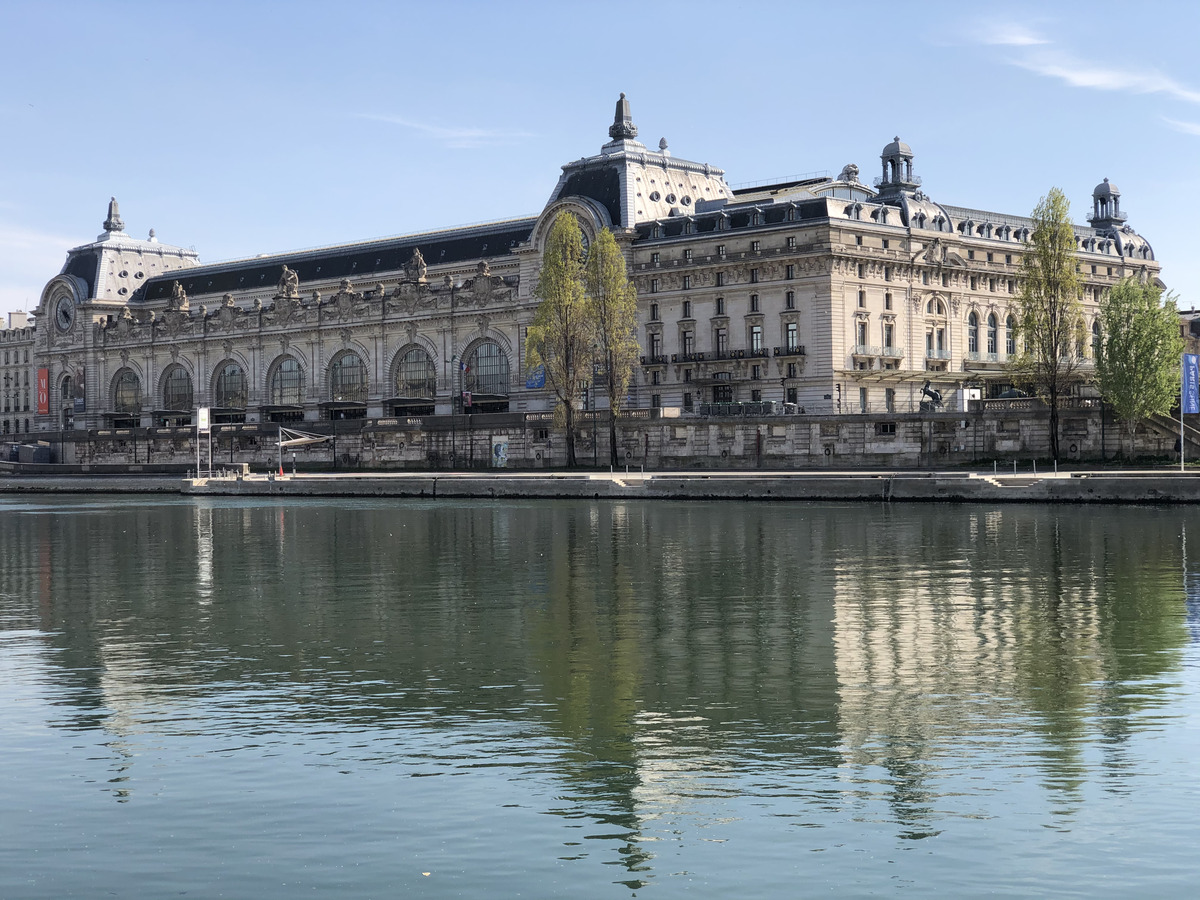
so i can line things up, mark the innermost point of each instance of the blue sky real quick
(244, 128)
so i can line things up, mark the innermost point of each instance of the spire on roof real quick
(622, 128)
(113, 222)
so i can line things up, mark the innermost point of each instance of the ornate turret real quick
(1106, 206)
(113, 222)
(898, 177)
(622, 128)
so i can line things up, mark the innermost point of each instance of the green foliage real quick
(1138, 363)
(613, 307)
(1050, 316)
(560, 337)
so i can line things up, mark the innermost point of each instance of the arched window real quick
(991, 333)
(487, 370)
(68, 387)
(972, 333)
(177, 389)
(1096, 339)
(348, 378)
(1010, 336)
(416, 377)
(127, 393)
(287, 383)
(231, 387)
(935, 307)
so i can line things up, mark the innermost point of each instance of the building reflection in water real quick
(661, 662)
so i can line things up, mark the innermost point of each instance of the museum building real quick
(815, 296)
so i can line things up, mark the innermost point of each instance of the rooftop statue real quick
(289, 284)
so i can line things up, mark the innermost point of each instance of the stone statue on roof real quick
(849, 173)
(416, 268)
(289, 284)
(178, 298)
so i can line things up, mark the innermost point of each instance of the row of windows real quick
(687, 340)
(689, 254)
(789, 302)
(12, 357)
(485, 371)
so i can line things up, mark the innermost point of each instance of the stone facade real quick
(818, 296)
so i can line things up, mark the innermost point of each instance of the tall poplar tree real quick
(612, 302)
(1138, 362)
(1050, 315)
(560, 337)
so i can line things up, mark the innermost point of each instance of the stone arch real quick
(592, 216)
(344, 382)
(169, 385)
(288, 393)
(487, 377)
(419, 340)
(215, 378)
(398, 361)
(119, 396)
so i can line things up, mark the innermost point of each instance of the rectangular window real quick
(924, 278)
(722, 341)
(654, 285)
(887, 273)
(756, 337)
(889, 402)
(791, 243)
(656, 401)
(1008, 259)
(688, 342)
(858, 240)
(754, 276)
(860, 270)
(720, 306)
(687, 400)
(790, 272)
(991, 284)
(792, 371)
(720, 249)
(790, 300)
(887, 300)
(687, 374)
(945, 279)
(687, 255)
(793, 395)
(653, 312)
(885, 243)
(754, 303)
(720, 279)
(889, 335)
(756, 373)
(862, 299)
(862, 399)
(1093, 270)
(755, 246)
(970, 254)
(791, 337)
(974, 283)
(656, 345)
(756, 395)
(887, 428)
(989, 257)
(654, 259)
(656, 377)
(687, 309)
(687, 282)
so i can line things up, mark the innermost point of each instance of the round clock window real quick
(64, 314)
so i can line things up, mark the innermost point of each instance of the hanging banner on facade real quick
(1190, 389)
(80, 390)
(536, 378)
(43, 392)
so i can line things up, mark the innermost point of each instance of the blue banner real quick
(1190, 389)
(536, 378)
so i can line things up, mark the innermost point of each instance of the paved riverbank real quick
(1135, 486)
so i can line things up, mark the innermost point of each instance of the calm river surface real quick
(368, 699)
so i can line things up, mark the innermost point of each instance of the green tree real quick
(613, 307)
(1050, 315)
(1138, 362)
(560, 337)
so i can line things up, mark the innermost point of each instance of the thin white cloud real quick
(1078, 73)
(1008, 34)
(457, 138)
(1185, 127)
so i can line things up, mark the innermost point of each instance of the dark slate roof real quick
(84, 265)
(360, 262)
(602, 185)
(739, 217)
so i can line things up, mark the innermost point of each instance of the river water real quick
(358, 699)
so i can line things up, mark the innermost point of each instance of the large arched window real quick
(230, 392)
(416, 377)
(177, 389)
(127, 393)
(286, 386)
(972, 333)
(487, 370)
(991, 334)
(348, 378)
(68, 387)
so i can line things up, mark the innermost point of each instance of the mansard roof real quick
(361, 261)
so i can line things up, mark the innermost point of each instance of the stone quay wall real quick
(529, 441)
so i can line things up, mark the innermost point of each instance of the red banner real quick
(43, 406)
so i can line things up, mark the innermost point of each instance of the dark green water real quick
(394, 699)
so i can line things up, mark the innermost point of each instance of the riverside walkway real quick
(1095, 486)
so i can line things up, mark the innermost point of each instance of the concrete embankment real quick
(952, 487)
